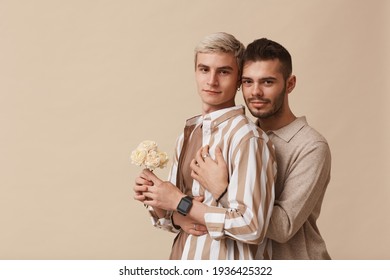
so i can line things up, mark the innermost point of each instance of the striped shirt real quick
(238, 222)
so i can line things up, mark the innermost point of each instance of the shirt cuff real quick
(215, 222)
(165, 222)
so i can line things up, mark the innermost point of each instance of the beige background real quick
(83, 82)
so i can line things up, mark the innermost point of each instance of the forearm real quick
(160, 213)
(198, 211)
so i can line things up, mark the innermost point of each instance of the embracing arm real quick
(250, 193)
(302, 190)
(188, 224)
(245, 209)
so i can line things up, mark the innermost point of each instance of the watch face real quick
(185, 204)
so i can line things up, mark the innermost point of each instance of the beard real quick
(273, 111)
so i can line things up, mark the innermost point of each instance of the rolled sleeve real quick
(164, 223)
(215, 222)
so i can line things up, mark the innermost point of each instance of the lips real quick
(212, 92)
(258, 103)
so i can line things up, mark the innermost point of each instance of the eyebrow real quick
(264, 78)
(225, 68)
(219, 68)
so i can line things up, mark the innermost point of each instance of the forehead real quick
(217, 59)
(272, 67)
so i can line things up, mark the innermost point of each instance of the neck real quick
(276, 122)
(207, 109)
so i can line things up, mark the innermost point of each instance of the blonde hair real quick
(221, 42)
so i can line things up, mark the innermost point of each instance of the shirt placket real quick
(206, 130)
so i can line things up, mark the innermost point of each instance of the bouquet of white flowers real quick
(148, 155)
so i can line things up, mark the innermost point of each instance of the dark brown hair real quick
(264, 49)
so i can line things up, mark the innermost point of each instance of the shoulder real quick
(311, 134)
(299, 132)
(310, 137)
(299, 138)
(247, 129)
(309, 142)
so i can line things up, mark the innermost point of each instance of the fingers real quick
(149, 196)
(149, 202)
(139, 191)
(201, 155)
(199, 198)
(147, 174)
(139, 197)
(140, 188)
(151, 176)
(195, 176)
(197, 230)
(199, 227)
(142, 181)
(205, 152)
(194, 166)
(218, 155)
(198, 157)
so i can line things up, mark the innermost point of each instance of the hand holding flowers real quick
(148, 155)
(160, 195)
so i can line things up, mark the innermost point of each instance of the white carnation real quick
(148, 155)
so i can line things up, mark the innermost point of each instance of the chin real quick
(259, 113)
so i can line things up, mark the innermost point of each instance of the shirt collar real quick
(217, 117)
(289, 131)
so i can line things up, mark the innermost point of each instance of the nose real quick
(212, 79)
(256, 90)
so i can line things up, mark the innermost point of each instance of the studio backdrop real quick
(83, 82)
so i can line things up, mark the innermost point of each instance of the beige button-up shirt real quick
(304, 165)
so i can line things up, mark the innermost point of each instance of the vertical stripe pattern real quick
(238, 222)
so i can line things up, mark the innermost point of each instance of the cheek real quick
(231, 85)
(272, 92)
(277, 96)
(232, 90)
(199, 80)
(245, 92)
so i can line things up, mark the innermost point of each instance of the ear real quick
(291, 81)
(238, 84)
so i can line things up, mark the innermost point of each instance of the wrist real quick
(176, 224)
(220, 195)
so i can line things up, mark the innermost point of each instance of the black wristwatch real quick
(184, 205)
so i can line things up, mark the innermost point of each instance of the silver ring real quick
(205, 156)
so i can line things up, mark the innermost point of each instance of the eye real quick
(269, 82)
(246, 82)
(224, 72)
(203, 69)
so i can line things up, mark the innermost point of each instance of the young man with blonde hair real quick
(235, 224)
